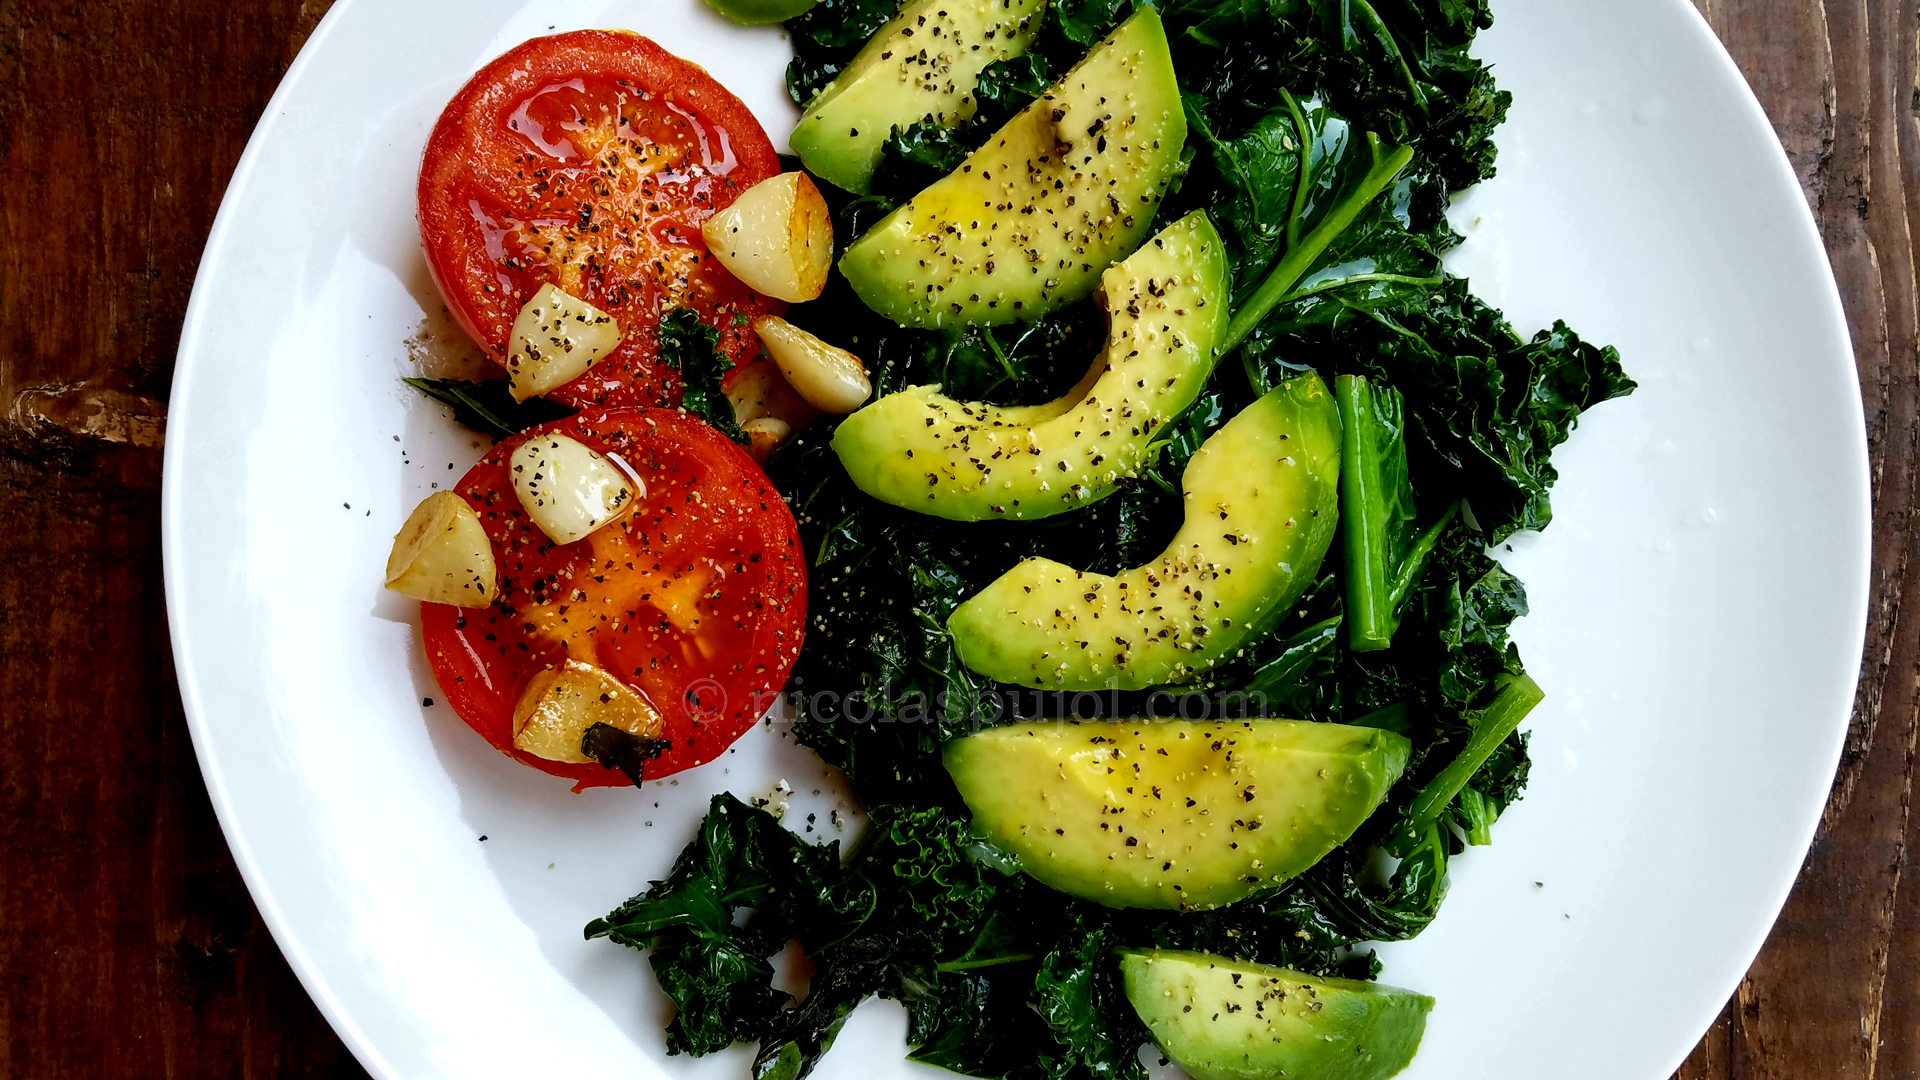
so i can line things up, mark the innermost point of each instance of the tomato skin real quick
(648, 144)
(697, 599)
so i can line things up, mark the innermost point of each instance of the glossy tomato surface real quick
(697, 598)
(589, 160)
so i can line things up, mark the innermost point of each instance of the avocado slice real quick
(1028, 222)
(923, 65)
(760, 12)
(970, 461)
(1172, 814)
(1227, 1019)
(1262, 499)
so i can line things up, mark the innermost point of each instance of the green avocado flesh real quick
(1172, 814)
(756, 12)
(970, 461)
(1261, 504)
(1029, 221)
(923, 65)
(1227, 1019)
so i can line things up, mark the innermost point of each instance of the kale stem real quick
(991, 961)
(1330, 284)
(1380, 31)
(1282, 278)
(1303, 180)
(1416, 560)
(1000, 354)
(1480, 814)
(1518, 695)
(1366, 511)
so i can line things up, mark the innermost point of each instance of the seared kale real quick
(1486, 407)
(693, 348)
(488, 406)
(1325, 138)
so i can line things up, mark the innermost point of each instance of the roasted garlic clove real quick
(556, 338)
(567, 488)
(560, 704)
(765, 434)
(776, 237)
(830, 379)
(442, 555)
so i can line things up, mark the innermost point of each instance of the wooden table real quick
(128, 945)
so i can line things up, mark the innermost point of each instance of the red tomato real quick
(589, 160)
(697, 598)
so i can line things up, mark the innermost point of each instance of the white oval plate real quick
(1698, 603)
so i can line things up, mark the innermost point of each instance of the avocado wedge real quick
(971, 461)
(1029, 221)
(1172, 814)
(923, 65)
(1227, 1019)
(1261, 498)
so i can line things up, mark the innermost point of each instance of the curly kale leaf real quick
(1486, 406)
(621, 750)
(980, 1023)
(488, 407)
(1397, 67)
(717, 972)
(1084, 22)
(1400, 911)
(825, 37)
(693, 348)
(1078, 994)
(915, 156)
(1006, 87)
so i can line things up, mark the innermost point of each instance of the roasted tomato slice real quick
(589, 160)
(697, 598)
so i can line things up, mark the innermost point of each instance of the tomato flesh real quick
(589, 160)
(696, 599)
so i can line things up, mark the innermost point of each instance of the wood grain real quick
(1833, 994)
(128, 945)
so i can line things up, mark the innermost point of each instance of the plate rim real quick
(1834, 318)
(1802, 226)
(264, 900)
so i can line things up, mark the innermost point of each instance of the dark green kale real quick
(1078, 994)
(1006, 87)
(915, 157)
(998, 981)
(1397, 67)
(692, 348)
(1071, 27)
(717, 972)
(488, 407)
(622, 751)
(826, 37)
(1486, 407)
(1376, 508)
(1326, 136)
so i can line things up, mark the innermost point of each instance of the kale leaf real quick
(1486, 406)
(915, 156)
(487, 406)
(1326, 137)
(825, 37)
(717, 972)
(1397, 67)
(693, 348)
(621, 750)
(1078, 994)
(1006, 87)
